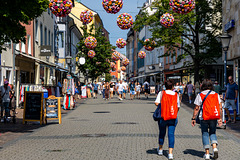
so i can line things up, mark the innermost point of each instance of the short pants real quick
(230, 103)
(124, 91)
(120, 92)
(132, 92)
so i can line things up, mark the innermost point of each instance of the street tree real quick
(15, 13)
(195, 33)
(100, 64)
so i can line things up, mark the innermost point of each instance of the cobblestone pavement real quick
(113, 130)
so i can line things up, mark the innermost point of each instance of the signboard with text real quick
(45, 50)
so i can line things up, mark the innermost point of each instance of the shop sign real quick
(53, 109)
(45, 51)
(229, 25)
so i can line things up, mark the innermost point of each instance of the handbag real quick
(201, 107)
(157, 113)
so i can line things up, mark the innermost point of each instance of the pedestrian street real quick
(114, 130)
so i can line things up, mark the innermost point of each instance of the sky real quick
(109, 20)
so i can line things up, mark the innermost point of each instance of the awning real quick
(43, 62)
(150, 74)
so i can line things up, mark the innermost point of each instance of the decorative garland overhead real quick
(142, 54)
(121, 43)
(90, 42)
(124, 21)
(91, 54)
(86, 16)
(60, 8)
(182, 6)
(112, 6)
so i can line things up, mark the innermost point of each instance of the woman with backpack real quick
(170, 104)
(208, 104)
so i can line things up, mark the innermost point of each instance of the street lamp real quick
(87, 74)
(68, 60)
(225, 38)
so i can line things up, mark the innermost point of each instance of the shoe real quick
(206, 156)
(2, 120)
(233, 121)
(170, 156)
(160, 151)
(215, 153)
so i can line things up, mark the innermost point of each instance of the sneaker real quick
(206, 156)
(170, 156)
(2, 120)
(215, 153)
(160, 151)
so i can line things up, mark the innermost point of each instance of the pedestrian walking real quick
(181, 89)
(107, 91)
(146, 88)
(120, 88)
(79, 89)
(103, 89)
(197, 88)
(208, 104)
(132, 90)
(190, 91)
(5, 96)
(138, 90)
(95, 90)
(217, 87)
(231, 99)
(170, 104)
(125, 89)
(111, 89)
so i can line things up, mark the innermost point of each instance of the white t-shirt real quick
(120, 87)
(5, 97)
(198, 100)
(159, 97)
(138, 88)
(125, 85)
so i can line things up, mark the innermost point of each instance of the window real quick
(36, 31)
(170, 57)
(17, 47)
(29, 44)
(45, 36)
(61, 40)
(166, 60)
(23, 47)
(49, 38)
(41, 34)
(8, 73)
(52, 42)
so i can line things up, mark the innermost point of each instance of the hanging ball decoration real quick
(98, 63)
(123, 68)
(115, 56)
(112, 6)
(86, 16)
(119, 70)
(114, 69)
(112, 64)
(90, 42)
(60, 8)
(150, 45)
(91, 53)
(167, 20)
(121, 43)
(125, 61)
(124, 21)
(182, 6)
(142, 54)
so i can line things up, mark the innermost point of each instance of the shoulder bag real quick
(201, 107)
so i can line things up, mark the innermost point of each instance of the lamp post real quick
(225, 38)
(87, 74)
(68, 60)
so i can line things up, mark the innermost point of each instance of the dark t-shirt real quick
(231, 90)
(132, 87)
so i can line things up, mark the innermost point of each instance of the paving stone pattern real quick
(114, 130)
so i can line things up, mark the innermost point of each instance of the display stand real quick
(68, 91)
(52, 109)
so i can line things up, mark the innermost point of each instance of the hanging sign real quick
(45, 50)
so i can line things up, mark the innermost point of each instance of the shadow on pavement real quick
(194, 152)
(154, 151)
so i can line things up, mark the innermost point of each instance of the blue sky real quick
(109, 20)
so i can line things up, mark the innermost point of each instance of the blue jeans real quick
(208, 128)
(171, 124)
(103, 94)
(5, 106)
